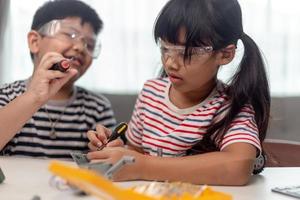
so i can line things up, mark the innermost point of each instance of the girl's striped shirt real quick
(160, 128)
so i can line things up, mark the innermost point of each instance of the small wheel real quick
(260, 163)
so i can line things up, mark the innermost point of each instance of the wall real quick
(285, 122)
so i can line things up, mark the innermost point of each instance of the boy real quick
(46, 115)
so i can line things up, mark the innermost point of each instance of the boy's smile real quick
(72, 39)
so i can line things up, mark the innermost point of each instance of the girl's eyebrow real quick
(177, 44)
(173, 46)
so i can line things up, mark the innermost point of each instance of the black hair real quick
(218, 23)
(60, 9)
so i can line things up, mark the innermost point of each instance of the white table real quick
(26, 177)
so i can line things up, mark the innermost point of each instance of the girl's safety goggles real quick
(178, 51)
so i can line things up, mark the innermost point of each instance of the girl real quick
(188, 125)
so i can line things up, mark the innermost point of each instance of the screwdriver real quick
(117, 132)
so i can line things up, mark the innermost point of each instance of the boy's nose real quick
(80, 45)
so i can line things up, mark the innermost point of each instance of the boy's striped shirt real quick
(157, 125)
(80, 113)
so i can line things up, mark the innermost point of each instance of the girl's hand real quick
(114, 154)
(45, 83)
(99, 138)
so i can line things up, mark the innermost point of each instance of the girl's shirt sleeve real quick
(242, 129)
(135, 127)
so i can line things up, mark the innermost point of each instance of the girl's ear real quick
(33, 40)
(227, 54)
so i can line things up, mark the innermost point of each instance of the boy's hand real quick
(44, 82)
(100, 136)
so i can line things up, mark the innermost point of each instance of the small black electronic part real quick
(62, 66)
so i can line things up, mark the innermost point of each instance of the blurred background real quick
(130, 56)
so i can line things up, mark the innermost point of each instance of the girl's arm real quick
(132, 147)
(232, 166)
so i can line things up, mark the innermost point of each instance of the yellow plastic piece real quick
(95, 184)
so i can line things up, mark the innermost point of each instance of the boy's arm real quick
(43, 85)
(15, 114)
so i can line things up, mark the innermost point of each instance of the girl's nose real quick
(170, 62)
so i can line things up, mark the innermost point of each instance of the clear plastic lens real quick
(65, 32)
(179, 51)
(50, 28)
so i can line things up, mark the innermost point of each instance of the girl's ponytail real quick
(250, 82)
(248, 85)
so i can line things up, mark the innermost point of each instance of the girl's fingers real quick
(103, 132)
(115, 143)
(94, 139)
(98, 155)
(92, 147)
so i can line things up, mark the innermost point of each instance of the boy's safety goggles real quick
(64, 31)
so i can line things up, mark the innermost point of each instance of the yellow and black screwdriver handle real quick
(117, 132)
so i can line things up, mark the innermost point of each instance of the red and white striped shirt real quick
(160, 128)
